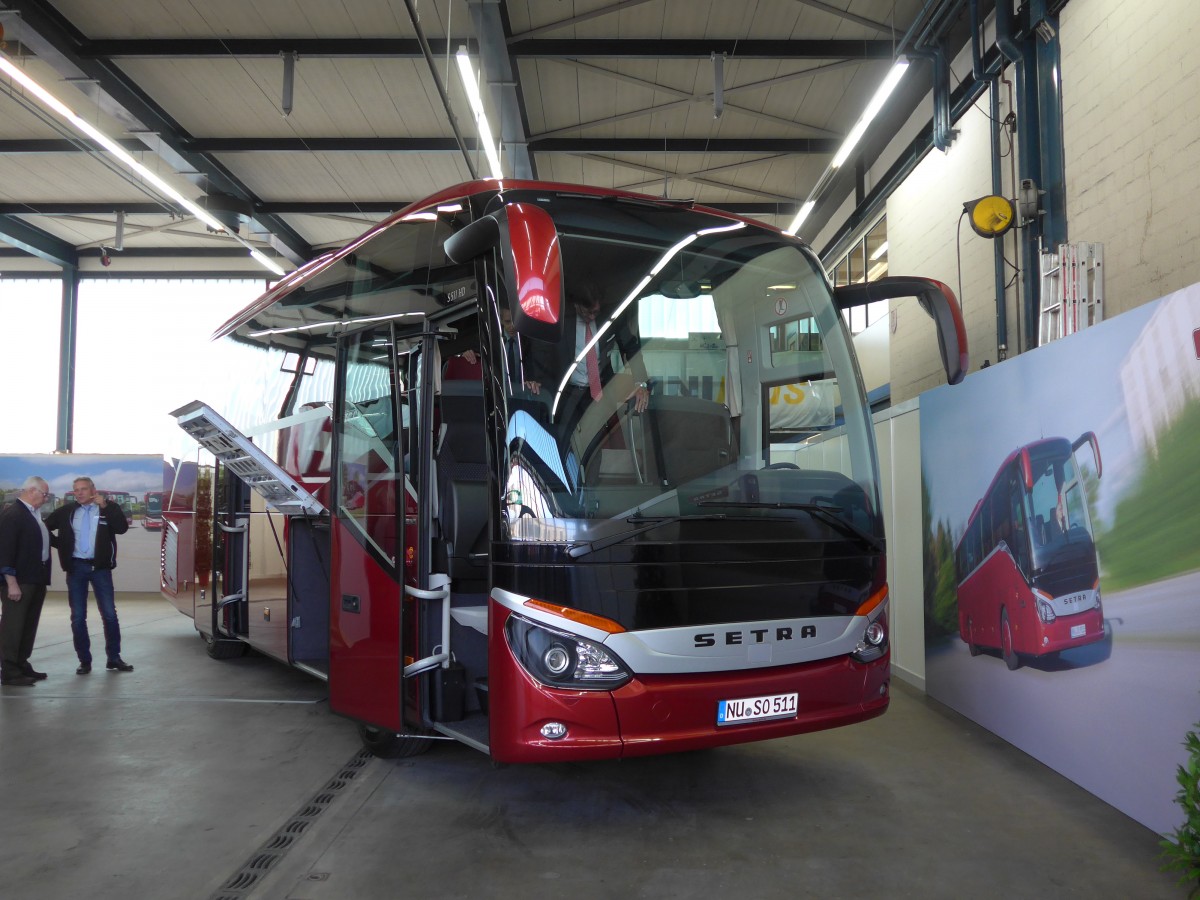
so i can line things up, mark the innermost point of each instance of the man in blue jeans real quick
(86, 537)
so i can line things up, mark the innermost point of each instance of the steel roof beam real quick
(409, 48)
(701, 48)
(35, 242)
(310, 48)
(448, 145)
(298, 208)
(61, 145)
(500, 75)
(58, 43)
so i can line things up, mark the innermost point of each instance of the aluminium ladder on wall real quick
(238, 454)
(1072, 290)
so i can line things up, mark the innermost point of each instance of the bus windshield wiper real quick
(826, 514)
(583, 549)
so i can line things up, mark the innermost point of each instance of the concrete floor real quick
(190, 778)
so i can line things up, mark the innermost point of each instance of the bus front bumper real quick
(1067, 632)
(655, 714)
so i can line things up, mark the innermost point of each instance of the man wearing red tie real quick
(584, 357)
(25, 567)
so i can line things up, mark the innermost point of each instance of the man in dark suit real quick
(584, 358)
(25, 565)
(86, 537)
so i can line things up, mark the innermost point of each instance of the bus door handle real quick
(440, 591)
(232, 529)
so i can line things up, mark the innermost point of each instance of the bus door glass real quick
(365, 621)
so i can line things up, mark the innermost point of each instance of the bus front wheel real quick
(389, 745)
(1011, 659)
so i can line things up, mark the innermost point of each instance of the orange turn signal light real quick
(575, 615)
(873, 601)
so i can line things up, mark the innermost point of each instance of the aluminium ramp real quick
(238, 454)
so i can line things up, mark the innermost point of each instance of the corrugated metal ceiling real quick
(616, 94)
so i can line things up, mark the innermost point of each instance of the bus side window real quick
(1020, 532)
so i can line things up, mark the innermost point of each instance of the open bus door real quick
(371, 627)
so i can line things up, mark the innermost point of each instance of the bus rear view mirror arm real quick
(481, 235)
(935, 298)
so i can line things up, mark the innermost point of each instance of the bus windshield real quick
(702, 371)
(1062, 528)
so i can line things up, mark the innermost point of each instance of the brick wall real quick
(924, 239)
(1131, 129)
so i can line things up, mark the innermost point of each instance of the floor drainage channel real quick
(239, 885)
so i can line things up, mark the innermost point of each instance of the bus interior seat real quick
(694, 436)
(458, 369)
(1039, 529)
(462, 484)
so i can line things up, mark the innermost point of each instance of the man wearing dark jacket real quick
(86, 537)
(25, 567)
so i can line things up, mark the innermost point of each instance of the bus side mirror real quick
(531, 259)
(935, 298)
(1089, 437)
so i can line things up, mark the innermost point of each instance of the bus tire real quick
(972, 647)
(1011, 658)
(389, 745)
(223, 649)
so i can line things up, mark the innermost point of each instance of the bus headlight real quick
(559, 659)
(1044, 610)
(874, 642)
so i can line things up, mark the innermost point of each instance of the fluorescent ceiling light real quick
(860, 127)
(105, 141)
(872, 110)
(808, 207)
(467, 73)
(86, 128)
(266, 262)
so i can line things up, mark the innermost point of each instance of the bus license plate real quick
(756, 709)
(1078, 630)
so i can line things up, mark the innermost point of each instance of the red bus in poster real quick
(1028, 578)
(152, 518)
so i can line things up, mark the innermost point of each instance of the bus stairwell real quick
(461, 560)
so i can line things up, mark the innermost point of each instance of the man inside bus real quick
(25, 565)
(467, 364)
(590, 373)
(86, 537)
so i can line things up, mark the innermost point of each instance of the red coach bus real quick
(1028, 579)
(152, 519)
(655, 567)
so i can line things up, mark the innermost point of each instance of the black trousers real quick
(18, 627)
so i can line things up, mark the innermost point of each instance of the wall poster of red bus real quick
(1062, 570)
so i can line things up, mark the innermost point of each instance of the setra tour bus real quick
(513, 476)
(1028, 578)
(152, 518)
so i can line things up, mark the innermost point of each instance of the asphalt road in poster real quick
(1112, 716)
